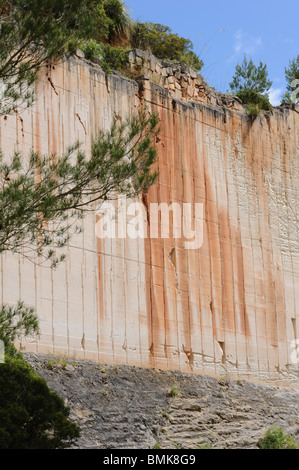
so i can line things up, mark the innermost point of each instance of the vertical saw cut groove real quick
(294, 324)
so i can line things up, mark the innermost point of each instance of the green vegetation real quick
(203, 447)
(156, 38)
(31, 415)
(275, 438)
(68, 186)
(31, 33)
(59, 362)
(112, 22)
(37, 31)
(253, 110)
(164, 44)
(174, 391)
(111, 58)
(291, 74)
(157, 446)
(17, 322)
(251, 84)
(176, 446)
(52, 364)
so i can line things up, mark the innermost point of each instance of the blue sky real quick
(223, 30)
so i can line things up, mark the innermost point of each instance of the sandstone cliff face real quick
(232, 305)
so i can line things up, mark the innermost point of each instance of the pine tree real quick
(251, 84)
(33, 32)
(31, 415)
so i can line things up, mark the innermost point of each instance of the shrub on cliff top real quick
(164, 44)
(111, 58)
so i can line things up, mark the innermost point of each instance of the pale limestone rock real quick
(132, 57)
(158, 69)
(80, 54)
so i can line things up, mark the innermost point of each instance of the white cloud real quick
(275, 96)
(238, 42)
(245, 44)
(288, 41)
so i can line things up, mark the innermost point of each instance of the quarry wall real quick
(231, 306)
